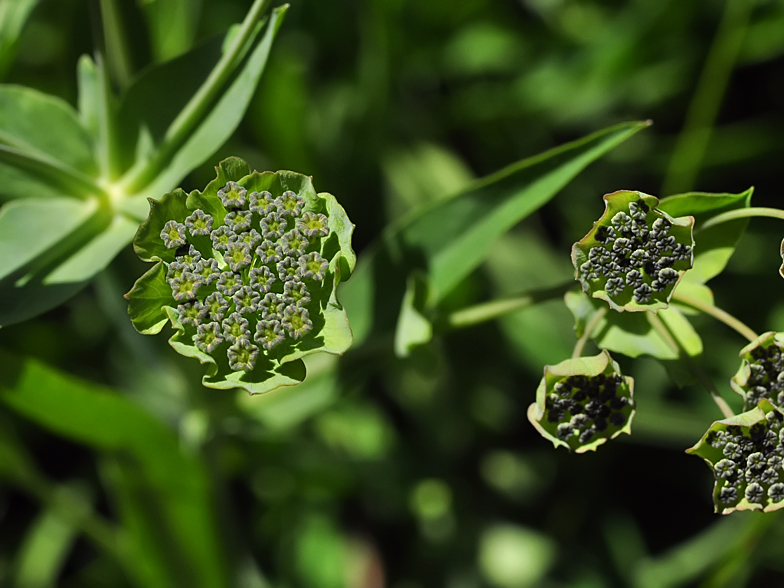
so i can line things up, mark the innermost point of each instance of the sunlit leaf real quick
(451, 237)
(164, 493)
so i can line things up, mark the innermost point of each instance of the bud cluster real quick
(633, 254)
(747, 462)
(584, 407)
(244, 284)
(762, 372)
(582, 402)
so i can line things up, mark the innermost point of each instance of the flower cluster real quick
(746, 460)
(584, 406)
(634, 253)
(583, 409)
(761, 374)
(244, 283)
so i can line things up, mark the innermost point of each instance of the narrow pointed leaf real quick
(449, 238)
(714, 245)
(164, 492)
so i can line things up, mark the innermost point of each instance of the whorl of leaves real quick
(745, 453)
(635, 254)
(247, 273)
(581, 403)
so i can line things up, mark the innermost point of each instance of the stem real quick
(716, 313)
(488, 311)
(589, 329)
(194, 111)
(704, 107)
(703, 378)
(742, 213)
(59, 174)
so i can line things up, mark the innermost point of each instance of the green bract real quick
(246, 273)
(745, 453)
(761, 373)
(634, 255)
(581, 403)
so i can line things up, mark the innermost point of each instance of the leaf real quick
(164, 493)
(633, 334)
(626, 260)
(713, 246)
(53, 283)
(44, 550)
(172, 26)
(216, 125)
(12, 19)
(147, 299)
(450, 237)
(744, 453)
(413, 327)
(42, 124)
(583, 402)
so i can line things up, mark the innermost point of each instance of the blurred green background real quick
(424, 472)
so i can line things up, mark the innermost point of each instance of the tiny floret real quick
(185, 287)
(294, 243)
(754, 492)
(269, 333)
(221, 237)
(776, 492)
(246, 300)
(313, 225)
(173, 234)
(272, 306)
(238, 255)
(238, 221)
(191, 313)
(235, 327)
(257, 201)
(229, 283)
(273, 226)
(295, 293)
(208, 337)
(313, 266)
(296, 321)
(261, 279)
(288, 269)
(199, 223)
(291, 203)
(216, 306)
(269, 252)
(242, 355)
(250, 238)
(232, 195)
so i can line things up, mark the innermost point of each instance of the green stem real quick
(716, 313)
(741, 213)
(589, 329)
(488, 311)
(196, 108)
(704, 107)
(55, 172)
(701, 376)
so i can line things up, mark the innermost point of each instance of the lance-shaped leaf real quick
(583, 402)
(246, 273)
(163, 493)
(449, 238)
(745, 453)
(714, 245)
(201, 111)
(761, 373)
(634, 255)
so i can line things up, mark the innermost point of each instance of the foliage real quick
(404, 460)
